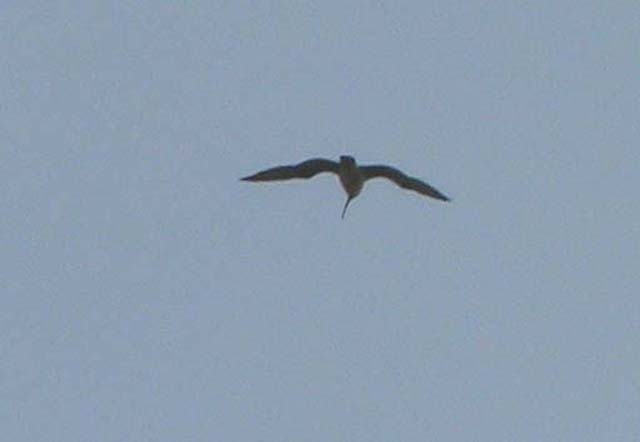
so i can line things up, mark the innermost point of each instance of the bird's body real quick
(352, 177)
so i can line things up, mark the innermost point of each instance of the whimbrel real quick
(352, 176)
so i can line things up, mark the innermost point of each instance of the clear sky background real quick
(148, 295)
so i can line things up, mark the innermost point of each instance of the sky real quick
(149, 295)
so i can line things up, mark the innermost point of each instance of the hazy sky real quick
(148, 295)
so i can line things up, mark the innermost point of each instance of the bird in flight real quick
(352, 176)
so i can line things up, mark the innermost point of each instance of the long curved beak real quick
(344, 210)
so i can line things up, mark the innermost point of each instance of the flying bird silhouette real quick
(352, 176)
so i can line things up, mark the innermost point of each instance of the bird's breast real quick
(352, 181)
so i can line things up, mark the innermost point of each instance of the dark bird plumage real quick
(306, 169)
(352, 176)
(402, 180)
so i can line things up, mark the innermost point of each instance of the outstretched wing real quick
(306, 169)
(402, 180)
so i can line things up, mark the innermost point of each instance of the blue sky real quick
(150, 295)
